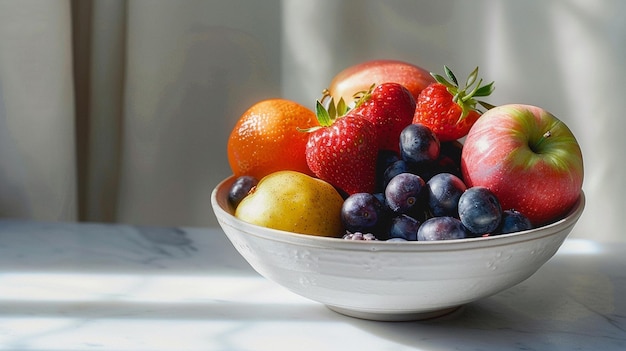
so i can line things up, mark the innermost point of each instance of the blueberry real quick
(452, 150)
(513, 221)
(240, 189)
(418, 144)
(441, 228)
(385, 216)
(381, 198)
(397, 167)
(385, 159)
(479, 210)
(426, 170)
(404, 193)
(404, 227)
(444, 191)
(443, 164)
(361, 212)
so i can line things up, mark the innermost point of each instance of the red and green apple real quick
(528, 157)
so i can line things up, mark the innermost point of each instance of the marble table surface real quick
(89, 286)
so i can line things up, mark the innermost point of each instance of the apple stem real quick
(545, 136)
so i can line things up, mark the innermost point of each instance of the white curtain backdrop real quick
(119, 110)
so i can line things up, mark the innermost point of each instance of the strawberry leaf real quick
(332, 112)
(342, 108)
(444, 81)
(485, 90)
(486, 105)
(323, 117)
(450, 75)
(472, 93)
(363, 96)
(472, 78)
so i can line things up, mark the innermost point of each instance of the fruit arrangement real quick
(380, 158)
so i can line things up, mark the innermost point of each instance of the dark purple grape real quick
(418, 144)
(361, 212)
(441, 228)
(404, 227)
(479, 210)
(513, 221)
(444, 191)
(404, 193)
(240, 189)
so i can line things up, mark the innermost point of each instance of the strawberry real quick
(343, 150)
(448, 110)
(390, 107)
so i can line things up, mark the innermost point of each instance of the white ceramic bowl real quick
(392, 280)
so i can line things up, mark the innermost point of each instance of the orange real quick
(266, 139)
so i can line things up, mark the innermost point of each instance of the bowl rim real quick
(226, 218)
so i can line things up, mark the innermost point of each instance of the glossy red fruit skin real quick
(361, 76)
(528, 158)
(344, 154)
(390, 108)
(435, 109)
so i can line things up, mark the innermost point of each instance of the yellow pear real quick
(294, 202)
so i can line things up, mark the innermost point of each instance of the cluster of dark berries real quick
(421, 196)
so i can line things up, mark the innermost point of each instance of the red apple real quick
(528, 158)
(361, 76)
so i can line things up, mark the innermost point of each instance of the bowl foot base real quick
(393, 316)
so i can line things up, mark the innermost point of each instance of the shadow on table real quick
(580, 310)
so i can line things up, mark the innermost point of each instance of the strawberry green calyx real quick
(363, 96)
(326, 116)
(465, 97)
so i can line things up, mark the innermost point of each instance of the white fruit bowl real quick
(392, 281)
